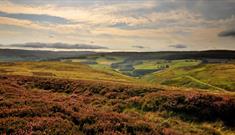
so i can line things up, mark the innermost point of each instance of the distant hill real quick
(31, 55)
(35, 55)
(173, 55)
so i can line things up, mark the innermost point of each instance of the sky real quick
(139, 25)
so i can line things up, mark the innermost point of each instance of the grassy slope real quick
(180, 73)
(206, 76)
(70, 70)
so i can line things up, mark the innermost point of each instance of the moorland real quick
(117, 93)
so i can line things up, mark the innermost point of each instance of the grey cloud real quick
(138, 46)
(178, 46)
(58, 46)
(43, 18)
(227, 33)
(51, 36)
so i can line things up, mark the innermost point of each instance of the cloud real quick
(42, 18)
(118, 24)
(21, 23)
(51, 36)
(57, 46)
(121, 15)
(178, 46)
(56, 28)
(227, 33)
(138, 46)
(102, 13)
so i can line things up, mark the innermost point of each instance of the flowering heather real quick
(34, 105)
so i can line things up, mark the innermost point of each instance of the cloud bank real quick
(138, 46)
(178, 46)
(57, 46)
(227, 33)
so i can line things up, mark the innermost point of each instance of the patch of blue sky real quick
(40, 18)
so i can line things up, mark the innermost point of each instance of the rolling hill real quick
(45, 105)
(57, 69)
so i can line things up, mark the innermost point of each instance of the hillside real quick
(57, 69)
(35, 105)
(206, 76)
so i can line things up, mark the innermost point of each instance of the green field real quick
(189, 73)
